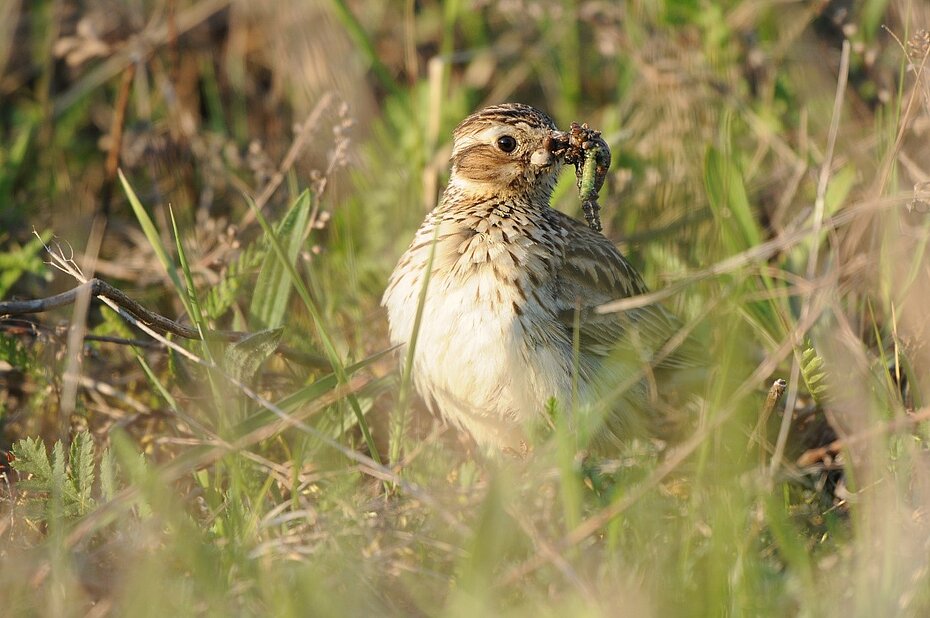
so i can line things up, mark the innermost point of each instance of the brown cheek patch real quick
(483, 163)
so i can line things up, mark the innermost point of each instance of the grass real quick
(294, 472)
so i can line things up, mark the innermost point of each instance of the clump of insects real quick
(584, 148)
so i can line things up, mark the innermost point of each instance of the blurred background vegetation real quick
(770, 171)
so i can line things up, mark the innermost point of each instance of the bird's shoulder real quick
(595, 272)
(592, 266)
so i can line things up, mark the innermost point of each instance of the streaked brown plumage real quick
(508, 276)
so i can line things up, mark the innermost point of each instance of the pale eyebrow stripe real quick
(486, 135)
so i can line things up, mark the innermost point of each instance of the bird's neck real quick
(462, 195)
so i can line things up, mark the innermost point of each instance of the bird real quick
(508, 330)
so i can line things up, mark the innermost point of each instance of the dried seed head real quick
(918, 46)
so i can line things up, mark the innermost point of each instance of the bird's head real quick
(505, 149)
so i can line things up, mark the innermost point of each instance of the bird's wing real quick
(594, 273)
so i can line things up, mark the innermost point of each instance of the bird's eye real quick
(506, 143)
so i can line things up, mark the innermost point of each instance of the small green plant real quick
(222, 296)
(63, 486)
(22, 260)
(813, 373)
(13, 352)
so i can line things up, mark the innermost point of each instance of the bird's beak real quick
(542, 158)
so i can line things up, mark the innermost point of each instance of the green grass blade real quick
(328, 346)
(243, 358)
(188, 292)
(151, 234)
(354, 29)
(304, 395)
(273, 287)
(729, 202)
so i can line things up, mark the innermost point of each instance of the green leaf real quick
(108, 474)
(303, 396)
(14, 352)
(841, 183)
(729, 202)
(151, 234)
(31, 457)
(63, 486)
(139, 471)
(188, 292)
(192, 305)
(81, 459)
(26, 259)
(813, 373)
(328, 345)
(792, 545)
(243, 358)
(14, 155)
(58, 484)
(273, 288)
(872, 13)
(221, 296)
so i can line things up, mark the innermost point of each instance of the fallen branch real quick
(158, 322)
(102, 289)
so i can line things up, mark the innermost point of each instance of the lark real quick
(509, 329)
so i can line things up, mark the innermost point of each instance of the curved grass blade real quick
(328, 346)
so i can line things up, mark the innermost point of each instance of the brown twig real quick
(771, 400)
(116, 138)
(39, 305)
(136, 343)
(102, 289)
